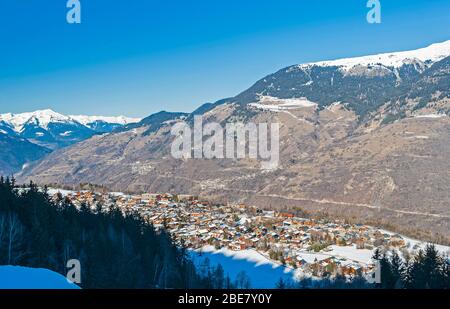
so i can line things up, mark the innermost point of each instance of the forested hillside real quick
(115, 250)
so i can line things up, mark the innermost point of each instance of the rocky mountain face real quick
(366, 138)
(30, 136)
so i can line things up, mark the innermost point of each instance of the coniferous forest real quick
(115, 250)
(428, 269)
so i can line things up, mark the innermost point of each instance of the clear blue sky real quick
(137, 57)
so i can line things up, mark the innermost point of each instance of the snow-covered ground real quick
(352, 253)
(415, 245)
(17, 277)
(53, 191)
(276, 104)
(263, 273)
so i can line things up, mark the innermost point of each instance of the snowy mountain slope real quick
(427, 55)
(122, 120)
(16, 277)
(263, 273)
(101, 124)
(42, 118)
(410, 79)
(54, 130)
(45, 128)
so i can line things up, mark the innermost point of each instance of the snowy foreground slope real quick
(17, 277)
(263, 273)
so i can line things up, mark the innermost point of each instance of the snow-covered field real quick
(52, 191)
(430, 54)
(17, 277)
(415, 245)
(432, 116)
(85, 120)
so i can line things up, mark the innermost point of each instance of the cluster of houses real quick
(282, 237)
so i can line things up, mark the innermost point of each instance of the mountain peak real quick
(41, 117)
(121, 120)
(44, 117)
(430, 54)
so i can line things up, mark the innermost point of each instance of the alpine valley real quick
(365, 138)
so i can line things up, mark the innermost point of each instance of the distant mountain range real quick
(365, 137)
(29, 136)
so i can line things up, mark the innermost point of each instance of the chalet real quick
(301, 262)
(397, 241)
(360, 244)
(149, 197)
(285, 215)
(351, 269)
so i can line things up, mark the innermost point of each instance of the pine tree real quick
(219, 277)
(388, 279)
(397, 270)
(281, 285)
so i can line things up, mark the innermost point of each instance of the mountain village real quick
(319, 248)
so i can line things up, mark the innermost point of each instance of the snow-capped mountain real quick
(408, 79)
(44, 118)
(101, 124)
(54, 130)
(18, 277)
(45, 128)
(30, 136)
(426, 56)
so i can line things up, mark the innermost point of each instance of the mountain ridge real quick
(27, 137)
(377, 137)
(46, 116)
(430, 54)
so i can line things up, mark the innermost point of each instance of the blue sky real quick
(141, 56)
